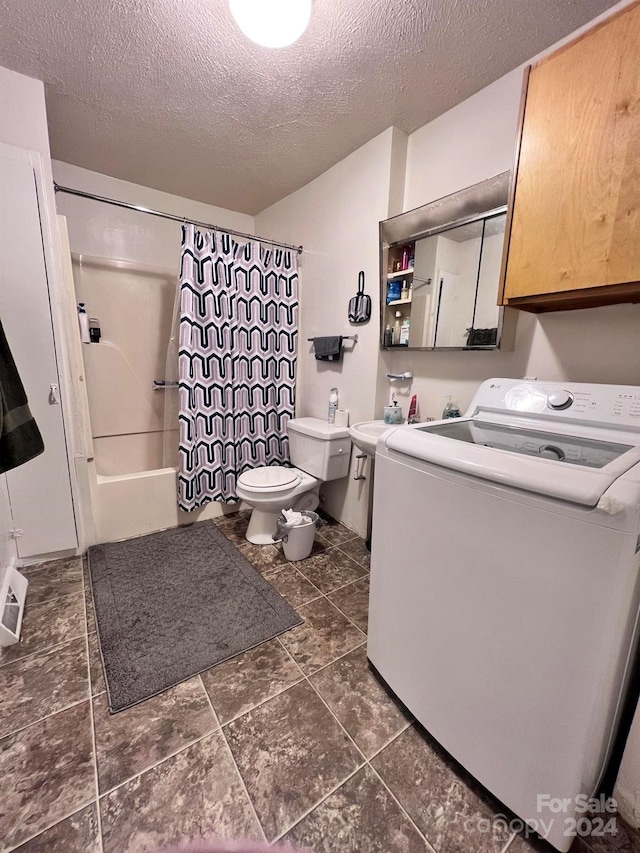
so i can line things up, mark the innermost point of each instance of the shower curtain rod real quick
(183, 219)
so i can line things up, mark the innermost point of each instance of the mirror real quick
(440, 283)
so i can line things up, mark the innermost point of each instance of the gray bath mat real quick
(175, 603)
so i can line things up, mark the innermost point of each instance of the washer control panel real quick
(615, 405)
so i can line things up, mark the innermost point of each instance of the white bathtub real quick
(128, 505)
(133, 502)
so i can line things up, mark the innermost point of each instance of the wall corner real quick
(397, 171)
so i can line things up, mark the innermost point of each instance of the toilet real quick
(319, 452)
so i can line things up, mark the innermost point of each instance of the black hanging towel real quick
(328, 348)
(360, 304)
(20, 438)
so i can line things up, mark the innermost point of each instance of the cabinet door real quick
(39, 490)
(576, 214)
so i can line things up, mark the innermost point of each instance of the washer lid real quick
(269, 477)
(576, 467)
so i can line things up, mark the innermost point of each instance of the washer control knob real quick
(550, 451)
(559, 400)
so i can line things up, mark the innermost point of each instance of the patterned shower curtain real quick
(236, 361)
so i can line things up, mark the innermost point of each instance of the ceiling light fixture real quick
(272, 23)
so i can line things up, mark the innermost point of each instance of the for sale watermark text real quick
(572, 816)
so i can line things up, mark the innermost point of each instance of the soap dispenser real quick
(454, 411)
(393, 412)
(451, 409)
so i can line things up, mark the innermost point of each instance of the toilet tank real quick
(319, 448)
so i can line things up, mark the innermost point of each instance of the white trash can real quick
(298, 542)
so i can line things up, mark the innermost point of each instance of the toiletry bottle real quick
(404, 293)
(83, 322)
(94, 330)
(451, 409)
(396, 327)
(333, 405)
(413, 410)
(404, 332)
(388, 336)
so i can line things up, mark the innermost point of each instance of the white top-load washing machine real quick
(505, 585)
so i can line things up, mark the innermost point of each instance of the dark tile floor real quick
(294, 741)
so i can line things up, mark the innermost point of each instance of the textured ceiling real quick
(168, 93)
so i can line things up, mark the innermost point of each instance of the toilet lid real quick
(269, 477)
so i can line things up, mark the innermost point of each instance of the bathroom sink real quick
(365, 435)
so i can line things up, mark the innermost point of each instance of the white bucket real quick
(299, 541)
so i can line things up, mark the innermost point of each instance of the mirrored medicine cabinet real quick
(440, 268)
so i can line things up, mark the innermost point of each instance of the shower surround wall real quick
(134, 304)
(125, 268)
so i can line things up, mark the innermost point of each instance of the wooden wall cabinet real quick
(575, 209)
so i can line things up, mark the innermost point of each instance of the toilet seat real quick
(269, 478)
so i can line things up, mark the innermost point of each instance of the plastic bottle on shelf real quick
(397, 327)
(405, 329)
(404, 294)
(388, 336)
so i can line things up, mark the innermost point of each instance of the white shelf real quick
(399, 302)
(400, 273)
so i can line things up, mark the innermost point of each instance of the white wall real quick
(336, 218)
(106, 231)
(23, 117)
(469, 143)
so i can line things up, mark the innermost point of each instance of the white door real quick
(39, 490)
